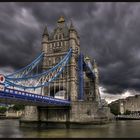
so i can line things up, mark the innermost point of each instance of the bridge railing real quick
(13, 93)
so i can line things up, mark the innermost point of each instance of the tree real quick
(127, 112)
(3, 109)
(18, 107)
(114, 110)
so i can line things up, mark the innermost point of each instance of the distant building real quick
(121, 106)
(10, 113)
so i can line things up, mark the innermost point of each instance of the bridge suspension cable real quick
(42, 79)
(26, 70)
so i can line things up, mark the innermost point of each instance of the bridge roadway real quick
(12, 96)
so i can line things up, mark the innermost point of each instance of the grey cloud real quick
(109, 33)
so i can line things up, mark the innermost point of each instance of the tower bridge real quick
(66, 90)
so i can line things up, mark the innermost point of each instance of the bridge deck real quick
(12, 96)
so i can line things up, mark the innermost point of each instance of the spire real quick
(61, 22)
(71, 26)
(95, 64)
(46, 31)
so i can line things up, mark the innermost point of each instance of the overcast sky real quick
(109, 33)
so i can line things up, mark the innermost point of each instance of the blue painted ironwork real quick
(42, 79)
(45, 72)
(26, 70)
(23, 96)
(81, 78)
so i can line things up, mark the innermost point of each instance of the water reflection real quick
(124, 129)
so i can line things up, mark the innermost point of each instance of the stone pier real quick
(81, 112)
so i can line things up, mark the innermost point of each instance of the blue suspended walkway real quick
(13, 87)
(13, 96)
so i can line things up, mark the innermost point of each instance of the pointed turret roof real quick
(95, 64)
(61, 28)
(72, 26)
(45, 31)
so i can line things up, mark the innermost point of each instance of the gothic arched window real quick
(49, 62)
(61, 43)
(52, 45)
(57, 59)
(54, 60)
(56, 37)
(60, 36)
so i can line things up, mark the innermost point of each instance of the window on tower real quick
(49, 62)
(63, 43)
(50, 47)
(60, 36)
(63, 35)
(57, 59)
(53, 60)
(76, 49)
(56, 37)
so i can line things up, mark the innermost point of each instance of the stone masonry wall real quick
(30, 114)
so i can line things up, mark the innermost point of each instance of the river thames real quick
(118, 129)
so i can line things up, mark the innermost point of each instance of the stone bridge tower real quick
(55, 46)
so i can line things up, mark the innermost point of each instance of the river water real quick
(118, 129)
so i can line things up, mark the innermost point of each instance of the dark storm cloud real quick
(18, 35)
(109, 33)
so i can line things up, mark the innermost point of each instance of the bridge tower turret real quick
(75, 45)
(45, 39)
(55, 46)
